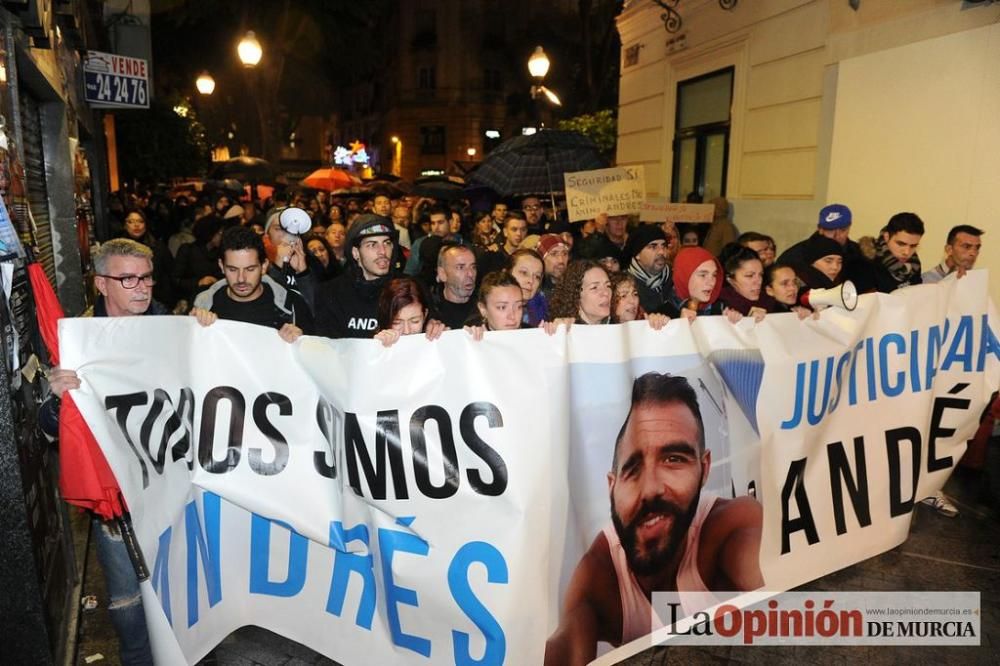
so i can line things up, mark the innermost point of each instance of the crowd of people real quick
(335, 262)
(387, 267)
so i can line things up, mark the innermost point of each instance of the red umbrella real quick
(330, 179)
(85, 479)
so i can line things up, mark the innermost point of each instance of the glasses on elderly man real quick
(132, 281)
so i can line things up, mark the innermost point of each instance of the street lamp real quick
(538, 63)
(205, 83)
(538, 67)
(249, 50)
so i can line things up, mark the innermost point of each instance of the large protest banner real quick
(431, 502)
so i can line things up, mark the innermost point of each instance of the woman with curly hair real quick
(625, 305)
(583, 295)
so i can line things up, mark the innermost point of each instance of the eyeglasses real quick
(131, 281)
(532, 207)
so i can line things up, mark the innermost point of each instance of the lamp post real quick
(205, 83)
(249, 50)
(397, 156)
(538, 67)
(250, 53)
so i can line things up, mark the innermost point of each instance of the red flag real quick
(85, 478)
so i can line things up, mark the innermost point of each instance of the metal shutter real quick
(34, 175)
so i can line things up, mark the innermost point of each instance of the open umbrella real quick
(330, 179)
(245, 168)
(447, 188)
(536, 163)
(391, 189)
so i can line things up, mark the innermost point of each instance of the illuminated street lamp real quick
(249, 50)
(538, 63)
(205, 83)
(538, 67)
(471, 152)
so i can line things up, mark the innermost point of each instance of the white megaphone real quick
(294, 220)
(843, 296)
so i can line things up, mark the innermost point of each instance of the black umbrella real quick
(245, 168)
(447, 188)
(535, 163)
(391, 189)
(227, 184)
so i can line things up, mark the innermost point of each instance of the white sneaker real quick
(940, 503)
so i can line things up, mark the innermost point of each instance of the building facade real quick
(784, 106)
(452, 84)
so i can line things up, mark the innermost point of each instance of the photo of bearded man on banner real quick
(675, 524)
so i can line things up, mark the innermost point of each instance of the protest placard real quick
(660, 209)
(615, 191)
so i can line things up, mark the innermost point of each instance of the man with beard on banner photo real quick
(664, 535)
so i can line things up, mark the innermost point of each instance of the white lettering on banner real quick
(404, 504)
(362, 324)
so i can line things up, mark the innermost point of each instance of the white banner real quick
(409, 504)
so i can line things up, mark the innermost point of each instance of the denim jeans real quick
(125, 607)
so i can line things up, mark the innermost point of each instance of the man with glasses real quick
(125, 282)
(532, 207)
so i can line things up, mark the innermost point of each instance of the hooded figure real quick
(698, 278)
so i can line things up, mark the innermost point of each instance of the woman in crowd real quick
(822, 263)
(689, 237)
(697, 283)
(583, 296)
(335, 214)
(317, 246)
(403, 310)
(782, 286)
(743, 289)
(625, 305)
(484, 234)
(500, 305)
(136, 229)
(527, 268)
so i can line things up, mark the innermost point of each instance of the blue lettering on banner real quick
(205, 544)
(389, 542)
(891, 390)
(260, 559)
(961, 346)
(886, 362)
(343, 564)
(461, 591)
(161, 574)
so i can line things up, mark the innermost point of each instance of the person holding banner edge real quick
(665, 534)
(124, 279)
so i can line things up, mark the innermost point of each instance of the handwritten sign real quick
(615, 191)
(659, 209)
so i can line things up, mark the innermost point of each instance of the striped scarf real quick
(654, 282)
(901, 272)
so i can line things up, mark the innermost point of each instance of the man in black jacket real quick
(346, 306)
(248, 294)
(835, 223)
